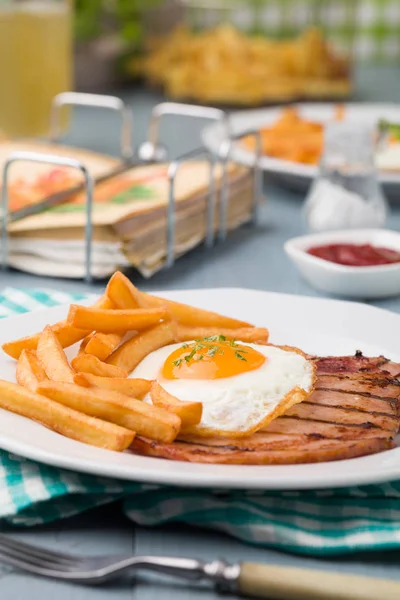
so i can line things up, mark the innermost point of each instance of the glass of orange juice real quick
(35, 62)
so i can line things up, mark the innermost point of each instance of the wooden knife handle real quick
(290, 583)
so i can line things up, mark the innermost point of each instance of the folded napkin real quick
(318, 522)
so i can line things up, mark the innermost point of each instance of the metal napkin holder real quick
(149, 152)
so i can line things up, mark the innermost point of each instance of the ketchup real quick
(355, 255)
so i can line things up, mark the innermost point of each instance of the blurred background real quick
(221, 52)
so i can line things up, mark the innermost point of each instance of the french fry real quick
(242, 334)
(144, 419)
(103, 344)
(29, 370)
(111, 321)
(66, 334)
(87, 363)
(104, 302)
(189, 315)
(121, 289)
(52, 357)
(129, 354)
(189, 412)
(182, 313)
(134, 388)
(84, 343)
(63, 420)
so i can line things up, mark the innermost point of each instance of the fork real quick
(262, 581)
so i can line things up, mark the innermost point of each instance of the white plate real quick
(318, 326)
(297, 174)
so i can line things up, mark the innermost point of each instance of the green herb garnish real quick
(205, 347)
(191, 355)
(388, 127)
(214, 338)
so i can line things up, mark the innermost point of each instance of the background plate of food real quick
(227, 67)
(169, 389)
(292, 138)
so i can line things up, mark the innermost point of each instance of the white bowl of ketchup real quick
(354, 263)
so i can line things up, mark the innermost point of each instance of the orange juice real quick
(35, 63)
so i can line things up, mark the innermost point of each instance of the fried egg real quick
(242, 387)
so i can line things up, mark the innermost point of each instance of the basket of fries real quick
(212, 57)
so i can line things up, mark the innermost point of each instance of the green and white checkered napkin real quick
(308, 522)
(368, 29)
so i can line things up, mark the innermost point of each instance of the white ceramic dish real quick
(296, 174)
(318, 326)
(381, 281)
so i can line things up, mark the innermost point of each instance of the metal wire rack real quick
(151, 151)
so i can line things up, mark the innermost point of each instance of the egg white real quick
(241, 402)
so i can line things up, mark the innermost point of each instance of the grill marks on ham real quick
(354, 411)
(350, 364)
(378, 386)
(323, 429)
(352, 401)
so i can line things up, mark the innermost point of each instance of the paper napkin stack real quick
(129, 216)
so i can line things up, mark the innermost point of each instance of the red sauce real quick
(355, 255)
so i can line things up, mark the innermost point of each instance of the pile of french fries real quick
(293, 137)
(227, 66)
(93, 399)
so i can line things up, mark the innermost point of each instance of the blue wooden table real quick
(251, 258)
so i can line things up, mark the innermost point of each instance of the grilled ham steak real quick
(354, 411)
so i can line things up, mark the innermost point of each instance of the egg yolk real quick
(211, 358)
